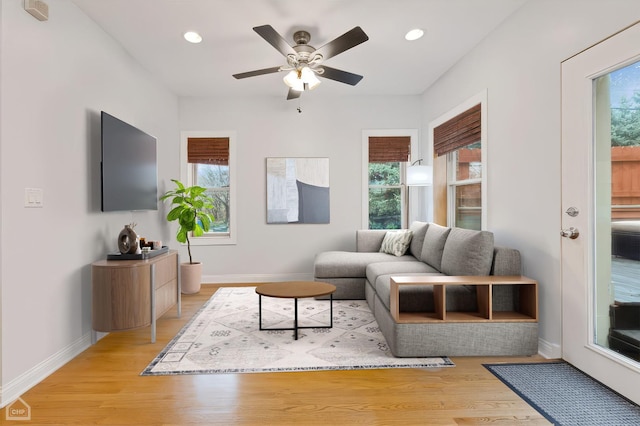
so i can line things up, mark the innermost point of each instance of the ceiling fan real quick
(305, 62)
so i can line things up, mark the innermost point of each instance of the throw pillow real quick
(396, 242)
(418, 229)
(433, 245)
(467, 252)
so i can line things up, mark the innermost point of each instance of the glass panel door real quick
(596, 208)
(617, 211)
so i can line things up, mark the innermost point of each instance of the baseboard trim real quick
(18, 386)
(549, 350)
(255, 278)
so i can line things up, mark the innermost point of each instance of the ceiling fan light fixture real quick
(192, 37)
(414, 34)
(309, 78)
(296, 79)
(293, 80)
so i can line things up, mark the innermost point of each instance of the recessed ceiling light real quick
(192, 37)
(414, 34)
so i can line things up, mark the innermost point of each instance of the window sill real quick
(212, 241)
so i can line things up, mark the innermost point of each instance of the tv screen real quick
(129, 167)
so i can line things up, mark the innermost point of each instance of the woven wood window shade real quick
(208, 151)
(462, 130)
(388, 149)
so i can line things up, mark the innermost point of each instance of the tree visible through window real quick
(385, 196)
(387, 158)
(624, 100)
(209, 160)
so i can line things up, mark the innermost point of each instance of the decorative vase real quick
(128, 240)
(190, 277)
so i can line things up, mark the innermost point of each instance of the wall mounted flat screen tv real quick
(128, 167)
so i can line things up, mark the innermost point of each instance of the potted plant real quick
(191, 209)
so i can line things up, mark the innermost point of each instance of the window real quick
(458, 147)
(385, 157)
(465, 186)
(209, 162)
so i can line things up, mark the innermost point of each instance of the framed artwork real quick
(297, 190)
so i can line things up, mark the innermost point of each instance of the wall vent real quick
(37, 8)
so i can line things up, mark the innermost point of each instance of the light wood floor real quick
(102, 386)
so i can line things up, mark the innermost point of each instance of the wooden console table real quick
(527, 310)
(129, 294)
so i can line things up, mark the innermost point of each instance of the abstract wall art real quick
(297, 190)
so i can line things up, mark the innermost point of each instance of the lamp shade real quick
(292, 80)
(309, 77)
(296, 79)
(419, 175)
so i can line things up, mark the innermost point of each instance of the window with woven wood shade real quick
(208, 151)
(462, 130)
(388, 149)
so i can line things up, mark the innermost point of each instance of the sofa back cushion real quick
(433, 246)
(418, 229)
(506, 261)
(467, 252)
(369, 240)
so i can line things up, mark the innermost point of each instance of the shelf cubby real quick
(523, 293)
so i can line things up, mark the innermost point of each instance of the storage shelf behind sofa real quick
(526, 303)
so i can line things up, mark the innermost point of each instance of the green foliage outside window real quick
(385, 196)
(216, 179)
(625, 122)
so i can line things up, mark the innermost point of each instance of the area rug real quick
(565, 395)
(224, 337)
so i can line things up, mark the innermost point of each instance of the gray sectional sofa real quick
(433, 250)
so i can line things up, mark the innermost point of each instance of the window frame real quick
(187, 175)
(409, 209)
(479, 98)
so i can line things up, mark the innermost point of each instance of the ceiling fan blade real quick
(341, 76)
(257, 72)
(293, 94)
(346, 41)
(276, 40)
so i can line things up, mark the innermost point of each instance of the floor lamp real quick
(417, 175)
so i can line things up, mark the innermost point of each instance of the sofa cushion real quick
(346, 264)
(418, 229)
(396, 242)
(467, 252)
(374, 270)
(433, 245)
(369, 240)
(506, 261)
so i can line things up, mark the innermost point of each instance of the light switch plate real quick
(33, 197)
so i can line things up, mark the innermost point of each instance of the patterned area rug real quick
(223, 337)
(566, 396)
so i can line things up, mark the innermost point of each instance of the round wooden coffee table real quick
(296, 290)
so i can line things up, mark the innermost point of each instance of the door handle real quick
(571, 233)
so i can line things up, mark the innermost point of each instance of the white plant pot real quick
(190, 277)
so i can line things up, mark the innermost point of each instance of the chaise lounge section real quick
(433, 251)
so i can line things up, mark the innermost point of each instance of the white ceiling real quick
(151, 31)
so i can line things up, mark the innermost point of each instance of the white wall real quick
(271, 127)
(519, 65)
(56, 77)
